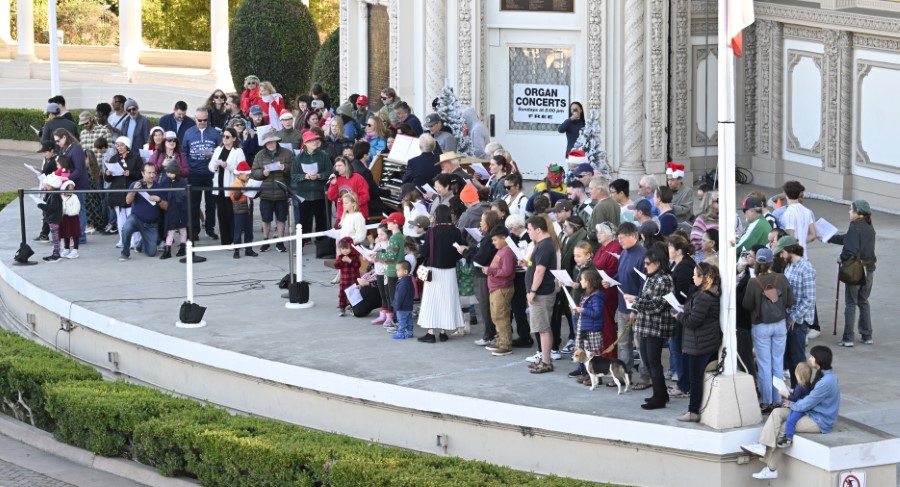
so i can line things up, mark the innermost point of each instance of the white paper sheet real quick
(333, 233)
(36, 131)
(421, 209)
(477, 265)
(515, 249)
(481, 171)
(146, 196)
(569, 298)
(627, 304)
(353, 294)
(428, 189)
(673, 302)
(610, 280)
(115, 169)
(475, 233)
(261, 131)
(643, 276)
(34, 170)
(824, 229)
(617, 256)
(252, 183)
(589, 211)
(145, 154)
(287, 146)
(35, 197)
(274, 166)
(779, 384)
(310, 168)
(366, 253)
(563, 277)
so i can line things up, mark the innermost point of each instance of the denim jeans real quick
(149, 232)
(404, 321)
(209, 206)
(797, 348)
(695, 367)
(769, 340)
(626, 343)
(857, 296)
(82, 216)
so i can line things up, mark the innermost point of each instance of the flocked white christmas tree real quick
(451, 114)
(590, 140)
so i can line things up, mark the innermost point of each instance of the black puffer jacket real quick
(702, 333)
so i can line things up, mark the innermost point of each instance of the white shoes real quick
(555, 355)
(813, 333)
(73, 254)
(534, 358)
(755, 449)
(766, 474)
(64, 253)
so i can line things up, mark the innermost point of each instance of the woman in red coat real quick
(345, 180)
(250, 95)
(272, 104)
(607, 259)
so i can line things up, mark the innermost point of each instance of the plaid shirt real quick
(654, 319)
(349, 274)
(802, 277)
(89, 136)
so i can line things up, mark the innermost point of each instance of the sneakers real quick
(574, 374)
(867, 342)
(481, 342)
(569, 348)
(237, 254)
(403, 335)
(250, 253)
(426, 338)
(264, 248)
(555, 355)
(766, 474)
(123, 258)
(846, 343)
(280, 247)
(42, 238)
(813, 333)
(52, 258)
(534, 358)
(212, 234)
(492, 348)
(473, 320)
(391, 329)
(784, 442)
(668, 375)
(755, 449)
(73, 254)
(501, 352)
(64, 253)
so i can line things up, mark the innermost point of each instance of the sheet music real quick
(252, 183)
(824, 229)
(481, 171)
(627, 304)
(146, 197)
(115, 169)
(643, 276)
(428, 189)
(274, 166)
(673, 302)
(366, 253)
(475, 233)
(779, 384)
(610, 280)
(333, 233)
(515, 249)
(569, 298)
(353, 294)
(563, 277)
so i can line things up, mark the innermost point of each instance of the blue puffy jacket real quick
(592, 316)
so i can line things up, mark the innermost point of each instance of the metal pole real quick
(837, 299)
(54, 49)
(22, 215)
(291, 242)
(299, 264)
(190, 271)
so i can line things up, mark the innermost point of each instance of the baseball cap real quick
(562, 205)
(785, 241)
(45, 146)
(583, 168)
(362, 100)
(84, 117)
(256, 110)
(431, 120)
(643, 206)
(764, 255)
(421, 221)
(52, 108)
(752, 203)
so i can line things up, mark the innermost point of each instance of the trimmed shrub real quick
(14, 123)
(327, 67)
(168, 442)
(7, 197)
(101, 416)
(26, 370)
(275, 40)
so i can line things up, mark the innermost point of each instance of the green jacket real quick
(568, 250)
(393, 254)
(309, 189)
(755, 233)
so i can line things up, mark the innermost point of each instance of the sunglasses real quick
(202, 120)
(57, 140)
(252, 83)
(170, 140)
(385, 97)
(226, 137)
(218, 97)
(131, 110)
(508, 187)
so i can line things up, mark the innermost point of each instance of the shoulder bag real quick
(424, 272)
(852, 271)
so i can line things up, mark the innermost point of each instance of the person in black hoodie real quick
(481, 255)
(680, 252)
(360, 166)
(702, 333)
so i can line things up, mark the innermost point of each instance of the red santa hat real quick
(675, 170)
(242, 168)
(285, 113)
(577, 157)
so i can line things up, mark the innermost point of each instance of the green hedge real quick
(14, 123)
(182, 437)
(28, 368)
(327, 67)
(101, 416)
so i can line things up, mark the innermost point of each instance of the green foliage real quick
(326, 15)
(327, 66)
(83, 22)
(14, 123)
(7, 198)
(275, 40)
(178, 24)
(29, 368)
(101, 416)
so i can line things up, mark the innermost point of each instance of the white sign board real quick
(534, 103)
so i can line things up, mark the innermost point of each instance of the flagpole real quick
(727, 196)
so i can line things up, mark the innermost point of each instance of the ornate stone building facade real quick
(819, 98)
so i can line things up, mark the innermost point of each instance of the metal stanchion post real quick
(24, 252)
(299, 277)
(196, 259)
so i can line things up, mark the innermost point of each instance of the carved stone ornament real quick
(595, 53)
(776, 11)
(700, 138)
(633, 85)
(863, 69)
(749, 63)
(464, 56)
(793, 144)
(681, 79)
(657, 102)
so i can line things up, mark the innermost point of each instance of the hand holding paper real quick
(563, 277)
(673, 302)
(610, 280)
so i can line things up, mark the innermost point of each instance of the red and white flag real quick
(739, 15)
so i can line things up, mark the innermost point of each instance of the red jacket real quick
(250, 98)
(606, 259)
(355, 184)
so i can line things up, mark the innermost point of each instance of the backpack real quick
(771, 308)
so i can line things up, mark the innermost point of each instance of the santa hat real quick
(53, 181)
(285, 113)
(675, 170)
(242, 168)
(577, 157)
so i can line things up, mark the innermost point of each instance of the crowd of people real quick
(577, 249)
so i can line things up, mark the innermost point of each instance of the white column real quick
(218, 28)
(25, 30)
(632, 167)
(130, 41)
(435, 48)
(5, 35)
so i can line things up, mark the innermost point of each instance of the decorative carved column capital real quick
(838, 106)
(435, 46)
(632, 165)
(595, 53)
(681, 78)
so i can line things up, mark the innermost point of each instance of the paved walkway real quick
(13, 174)
(24, 466)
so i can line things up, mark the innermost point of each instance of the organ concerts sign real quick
(539, 5)
(540, 103)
